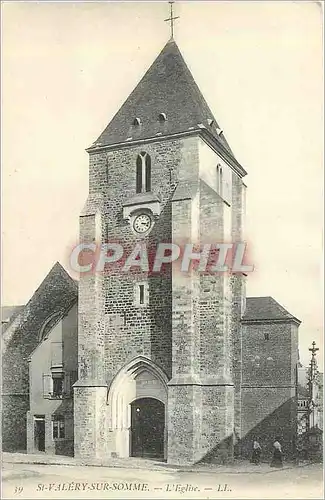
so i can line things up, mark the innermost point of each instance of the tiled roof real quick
(265, 308)
(8, 314)
(57, 292)
(168, 87)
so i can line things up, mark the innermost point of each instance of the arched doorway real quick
(147, 428)
(143, 385)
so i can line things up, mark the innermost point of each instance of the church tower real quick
(160, 351)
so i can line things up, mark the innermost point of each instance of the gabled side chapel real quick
(177, 366)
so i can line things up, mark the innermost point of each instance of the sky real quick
(68, 67)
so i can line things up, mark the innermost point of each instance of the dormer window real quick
(143, 173)
(219, 131)
(210, 122)
(137, 121)
(162, 117)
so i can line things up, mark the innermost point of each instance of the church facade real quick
(172, 365)
(160, 354)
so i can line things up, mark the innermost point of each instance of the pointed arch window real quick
(219, 179)
(139, 175)
(143, 173)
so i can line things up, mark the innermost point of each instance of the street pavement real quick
(32, 480)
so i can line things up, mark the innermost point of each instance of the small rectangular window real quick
(141, 294)
(57, 381)
(266, 336)
(58, 427)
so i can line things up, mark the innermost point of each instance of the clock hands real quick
(142, 223)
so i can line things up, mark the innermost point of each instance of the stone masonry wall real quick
(215, 340)
(57, 293)
(184, 395)
(118, 330)
(90, 391)
(213, 362)
(269, 406)
(146, 330)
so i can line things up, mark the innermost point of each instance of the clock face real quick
(142, 223)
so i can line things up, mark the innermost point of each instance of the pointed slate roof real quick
(266, 308)
(167, 87)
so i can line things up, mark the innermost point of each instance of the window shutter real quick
(47, 385)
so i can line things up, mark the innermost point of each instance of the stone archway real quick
(138, 380)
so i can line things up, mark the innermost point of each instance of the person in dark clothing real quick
(256, 455)
(277, 455)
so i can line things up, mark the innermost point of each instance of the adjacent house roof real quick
(166, 101)
(8, 314)
(266, 308)
(56, 293)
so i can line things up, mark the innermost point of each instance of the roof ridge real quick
(168, 87)
(266, 308)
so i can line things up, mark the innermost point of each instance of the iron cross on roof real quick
(313, 349)
(171, 19)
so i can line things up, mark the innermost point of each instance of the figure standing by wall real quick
(257, 451)
(277, 455)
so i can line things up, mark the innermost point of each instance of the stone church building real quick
(176, 365)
